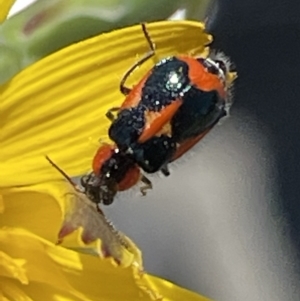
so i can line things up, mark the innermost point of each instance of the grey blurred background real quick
(226, 222)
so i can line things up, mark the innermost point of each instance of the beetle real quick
(166, 113)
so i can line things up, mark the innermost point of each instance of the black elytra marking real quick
(168, 81)
(153, 154)
(127, 127)
(199, 111)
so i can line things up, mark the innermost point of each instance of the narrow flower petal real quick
(12, 268)
(22, 244)
(1, 204)
(57, 106)
(12, 291)
(5, 6)
(172, 292)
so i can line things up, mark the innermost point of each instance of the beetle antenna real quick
(64, 174)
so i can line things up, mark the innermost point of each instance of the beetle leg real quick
(165, 170)
(147, 186)
(125, 90)
(110, 113)
(84, 180)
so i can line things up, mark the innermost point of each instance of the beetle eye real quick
(214, 67)
(210, 65)
(221, 65)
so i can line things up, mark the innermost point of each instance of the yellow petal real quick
(57, 106)
(33, 211)
(66, 272)
(36, 207)
(5, 6)
(37, 253)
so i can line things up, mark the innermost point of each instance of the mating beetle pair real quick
(171, 108)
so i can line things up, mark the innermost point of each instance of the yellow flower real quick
(56, 107)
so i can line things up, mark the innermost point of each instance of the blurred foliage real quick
(46, 26)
